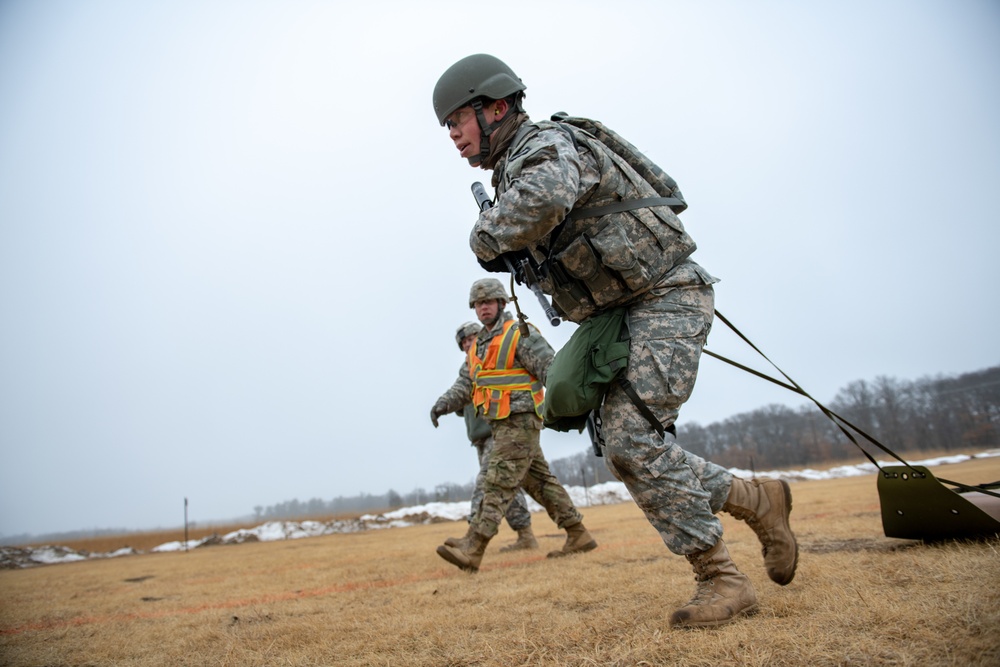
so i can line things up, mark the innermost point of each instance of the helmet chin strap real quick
(485, 130)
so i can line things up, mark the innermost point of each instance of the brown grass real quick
(385, 598)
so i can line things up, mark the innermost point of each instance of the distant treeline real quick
(930, 414)
(67, 536)
(365, 502)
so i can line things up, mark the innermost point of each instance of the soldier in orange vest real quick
(481, 436)
(503, 378)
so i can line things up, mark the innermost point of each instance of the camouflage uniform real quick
(545, 174)
(517, 515)
(517, 458)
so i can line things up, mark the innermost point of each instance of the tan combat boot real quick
(525, 540)
(723, 591)
(459, 541)
(578, 540)
(765, 505)
(467, 555)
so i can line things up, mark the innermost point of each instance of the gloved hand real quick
(436, 412)
(499, 263)
(496, 265)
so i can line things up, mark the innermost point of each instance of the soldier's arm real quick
(458, 395)
(535, 354)
(545, 191)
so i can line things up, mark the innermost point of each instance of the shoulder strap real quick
(645, 168)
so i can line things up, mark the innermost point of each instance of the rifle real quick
(523, 272)
(594, 429)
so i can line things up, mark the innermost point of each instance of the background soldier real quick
(481, 436)
(502, 377)
(604, 236)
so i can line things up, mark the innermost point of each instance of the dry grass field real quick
(385, 598)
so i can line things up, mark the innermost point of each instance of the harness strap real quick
(839, 421)
(633, 395)
(643, 408)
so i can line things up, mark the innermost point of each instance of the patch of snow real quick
(50, 555)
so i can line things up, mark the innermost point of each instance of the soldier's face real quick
(487, 311)
(463, 128)
(468, 341)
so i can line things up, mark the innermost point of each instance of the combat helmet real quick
(471, 77)
(467, 83)
(485, 289)
(466, 330)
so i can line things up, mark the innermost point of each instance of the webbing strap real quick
(623, 205)
(643, 408)
(640, 405)
(839, 421)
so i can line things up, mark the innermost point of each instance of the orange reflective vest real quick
(494, 377)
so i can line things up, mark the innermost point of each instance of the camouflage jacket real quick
(533, 353)
(545, 183)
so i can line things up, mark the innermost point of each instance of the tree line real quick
(941, 413)
(365, 502)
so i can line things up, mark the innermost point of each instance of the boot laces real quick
(704, 569)
(704, 593)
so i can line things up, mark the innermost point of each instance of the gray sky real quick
(234, 240)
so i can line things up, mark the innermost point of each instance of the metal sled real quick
(916, 506)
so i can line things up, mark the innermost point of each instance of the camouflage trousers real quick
(678, 491)
(517, 461)
(517, 515)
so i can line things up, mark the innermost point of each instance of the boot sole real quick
(589, 546)
(446, 553)
(511, 547)
(795, 561)
(749, 611)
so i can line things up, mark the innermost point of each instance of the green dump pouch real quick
(583, 369)
(916, 506)
(475, 427)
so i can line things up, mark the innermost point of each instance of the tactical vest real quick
(494, 377)
(618, 242)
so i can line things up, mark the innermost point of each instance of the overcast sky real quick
(234, 240)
